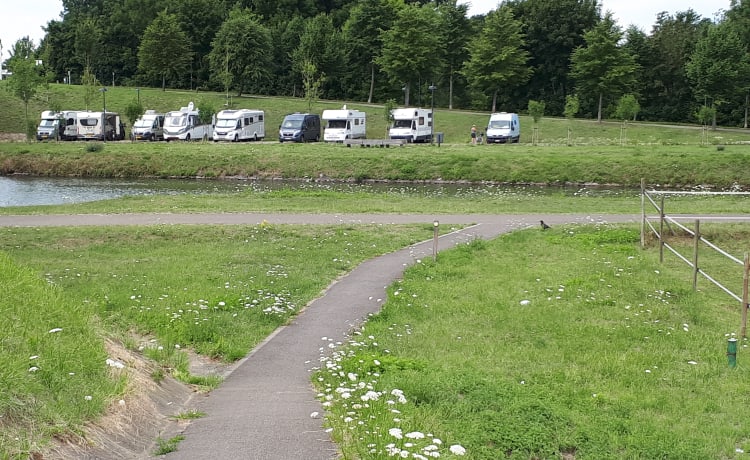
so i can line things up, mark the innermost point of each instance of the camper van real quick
(70, 125)
(300, 127)
(50, 127)
(344, 124)
(149, 127)
(414, 125)
(503, 127)
(101, 126)
(185, 125)
(240, 125)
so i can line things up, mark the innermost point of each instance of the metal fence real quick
(656, 224)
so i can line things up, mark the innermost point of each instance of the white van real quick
(414, 125)
(100, 126)
(51, 126)
(69, 131)
(185, 125)
(503, 127)
(344, 124)
(240, 125)
(149, 127)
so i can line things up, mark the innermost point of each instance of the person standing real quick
(474, 134)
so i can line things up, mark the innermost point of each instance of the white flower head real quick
(457, 449)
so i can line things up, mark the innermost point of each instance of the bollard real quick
(435, 236)
(732, 352)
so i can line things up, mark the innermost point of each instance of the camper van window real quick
(402, 123)
(224, 123)
(337, 123)
(70, 122)
(294, 123)
(178, 120)
(45, 123)
(421, 121)
(499, 124)
(248, 121)
(260, 117)
(89, 121)
(141, 123)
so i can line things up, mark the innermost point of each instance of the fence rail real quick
(664, 220)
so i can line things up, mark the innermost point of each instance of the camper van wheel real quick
(255, 138)
(187, 138)
(205, 138)
(235, 138)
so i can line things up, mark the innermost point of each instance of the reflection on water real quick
(35, 191)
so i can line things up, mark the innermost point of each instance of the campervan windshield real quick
(141, 123)
(226, 123)
(47, 123)
(292, 123)
(499, 124)
(177, 120)
(402, 124)
(343, 124)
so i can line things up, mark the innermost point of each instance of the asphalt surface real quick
(263, 409)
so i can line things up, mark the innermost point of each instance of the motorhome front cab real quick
(185, 125)
(149, 127)
(240, 125)
(503, 127)
(411, 124)
(344, 124)
(51, 126)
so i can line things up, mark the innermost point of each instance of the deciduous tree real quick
(165, 50)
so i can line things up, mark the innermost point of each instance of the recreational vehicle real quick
(50, 126)
(149, 127)
(240, 125)
(300, 127)
(101, 126)
(414, 125)
(185, 124)
(503, 127)
(70, 129)
(344, 124)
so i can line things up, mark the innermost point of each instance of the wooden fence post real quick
(745, 277)
(696, 241)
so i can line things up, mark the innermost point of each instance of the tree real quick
(25, 79)
(456, 38)
(241, 52)
(311, 83)
(410, 47)
(164, 51)
(602, 66)
(627, 109)
(536, 111)
(572, 106)
(498, 60)
(719, 66)
(320, 44)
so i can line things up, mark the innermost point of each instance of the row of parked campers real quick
(74, 125)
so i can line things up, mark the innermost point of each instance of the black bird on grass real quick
(544, 226)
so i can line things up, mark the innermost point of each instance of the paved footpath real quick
(262, 411)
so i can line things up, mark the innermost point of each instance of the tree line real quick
(561, 53)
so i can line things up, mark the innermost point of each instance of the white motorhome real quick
(240, 125)
(503, 127)
(412, 124)
(101, 126)
(149, 127)
(342, 124)
(185, 125)
(51, 126)
(70, 122)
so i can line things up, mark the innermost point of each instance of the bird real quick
(544, 226)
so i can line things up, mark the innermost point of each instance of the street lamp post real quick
(432, 89)
(138, 94)
(104, 117)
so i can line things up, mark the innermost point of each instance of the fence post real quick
(643, 213)
(745, 278)
(696, 241)
(661, 230)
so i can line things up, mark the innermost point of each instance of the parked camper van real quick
(149, 127)
(70, 121)
(414, 125)
(344, 124)
(240, 125)
(300, 127)
(503, 127)
(101, 126)
(185, 124)
(51, 126)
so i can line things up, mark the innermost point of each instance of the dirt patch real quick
(12, 137)
(132, 425)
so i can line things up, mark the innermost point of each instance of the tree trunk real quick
(372, 82)
(494, 101)
(599, 115)
(163, 82)
(450, 91)
(406, 95)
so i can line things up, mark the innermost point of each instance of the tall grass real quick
(558, 344)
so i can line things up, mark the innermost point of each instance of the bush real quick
(94, 147)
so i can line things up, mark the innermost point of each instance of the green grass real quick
(588, 347)
(165, 446)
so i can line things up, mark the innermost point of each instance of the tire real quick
(235, 138)
(187, 138)
(255, 138)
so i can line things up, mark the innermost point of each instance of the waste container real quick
(439, 138)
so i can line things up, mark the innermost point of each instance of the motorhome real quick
(344, 124)
(185, 124)
(411, 124)
(300, 127)
(51, 126)
(503, 127)
(70, 122)
(240, 125)
(149, 127)
(101, 126)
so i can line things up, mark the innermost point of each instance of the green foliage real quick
(627, 107)
(206, 111)
(388, 114)
(320, 45)
(94, 147)
(572, 106)
(25, 81)
(91, 87)
(133, 111)
(311, 83)
(169, 445)
(164, 51)
(705, 115)
(536, 110)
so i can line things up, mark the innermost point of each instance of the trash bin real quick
(439, 138)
